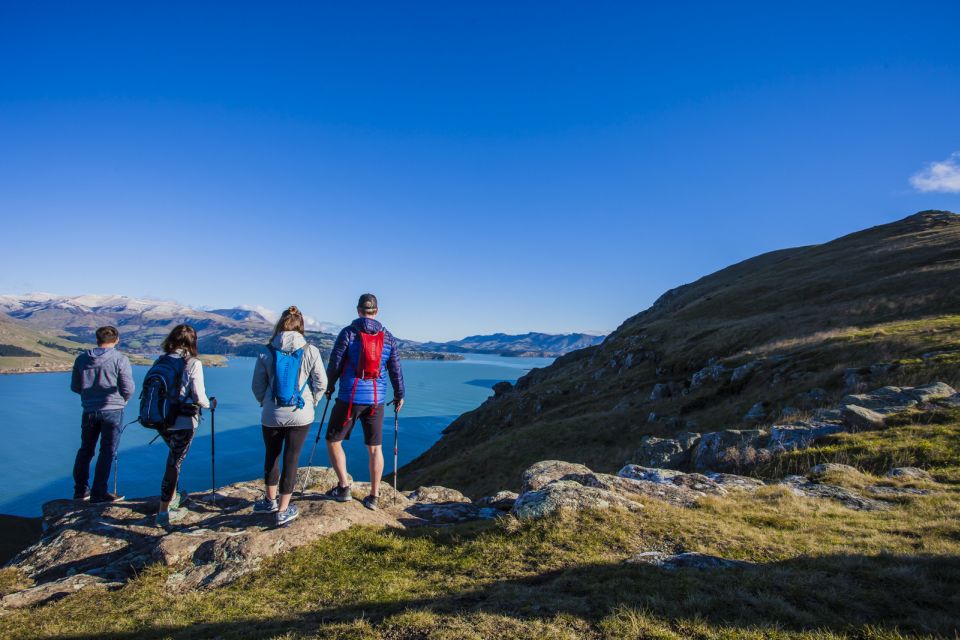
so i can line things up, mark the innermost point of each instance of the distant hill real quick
(143, 324)
(779, 334)
(528, 344)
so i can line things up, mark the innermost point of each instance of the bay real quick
(40, 427)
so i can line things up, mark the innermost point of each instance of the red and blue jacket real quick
(346, 355)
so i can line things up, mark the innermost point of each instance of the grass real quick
(822, 572)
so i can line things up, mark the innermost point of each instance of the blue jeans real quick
(105, 426)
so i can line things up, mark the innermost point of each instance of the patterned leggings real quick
(179, 442)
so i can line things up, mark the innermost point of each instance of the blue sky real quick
(480, 166)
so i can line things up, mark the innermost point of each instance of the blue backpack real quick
(160, 396)
(286, 372)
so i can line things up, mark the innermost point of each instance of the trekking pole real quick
(213, 458)
(306, 476)
(396, 441)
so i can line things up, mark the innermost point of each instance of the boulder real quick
(885, 400)
(909, 473)
(710, 373)
(932, 391)
(800, 435)
(722, 449)
(543, 473)
(757, 412)
(502, 500)
(858, 418)
(743, 371)
(567, 494)
(660, 391)
(804, 487)
(649, 474)
(688, 439)
(732, 481)
(824, 469)
(661, 452)
(436, 495)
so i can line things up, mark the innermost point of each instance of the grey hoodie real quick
(311, 368)
(103, 379)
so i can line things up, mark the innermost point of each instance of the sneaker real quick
(81, 495)
(340, 494)
(175, 501)
(266, 505)
(171, 516)
(370, 502)
(107, 497)
(288, 516)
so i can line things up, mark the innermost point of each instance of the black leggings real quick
(179, 442)
(289, 440)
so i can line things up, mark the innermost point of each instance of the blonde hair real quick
(290, 320)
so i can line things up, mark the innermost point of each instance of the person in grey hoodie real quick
(104, 380)
(285, 428)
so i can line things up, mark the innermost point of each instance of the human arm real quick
(76, 379)
(338, 356)
(197, 388)
(318, 378)
(395, 371)
(125, 382)
(261, 381)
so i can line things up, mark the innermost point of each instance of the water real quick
(40, 426)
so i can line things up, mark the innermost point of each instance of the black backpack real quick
(160, 396)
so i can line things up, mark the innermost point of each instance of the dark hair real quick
(290, 320)
(108, 334)
(367, 303)
(181, 337)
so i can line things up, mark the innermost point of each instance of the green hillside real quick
(881, 306)
(819, 571)
(34, 350)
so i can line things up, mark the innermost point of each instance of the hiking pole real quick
(213, 458)
(396, 441)
(306, 476)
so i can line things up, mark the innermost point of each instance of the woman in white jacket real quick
(181, 344)
(285, 428)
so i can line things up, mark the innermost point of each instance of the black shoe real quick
(81, 495)
(340, 494)
(107, 497)
(370, 502)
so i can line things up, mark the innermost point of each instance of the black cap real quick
(367, 303)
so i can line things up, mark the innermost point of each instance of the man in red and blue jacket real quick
(362, 394)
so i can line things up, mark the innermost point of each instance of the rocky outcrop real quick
(668, 453)
(725, 449)
(91, 545)
(909, 473)
(543, 473)
(568, 494)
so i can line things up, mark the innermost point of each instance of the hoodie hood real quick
(367, 325)
(288, 341)
(100, 352)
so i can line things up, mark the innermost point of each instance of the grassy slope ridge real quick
(822, 572)
(887, 294)
(55, 353)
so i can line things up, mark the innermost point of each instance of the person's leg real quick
(110, 423)
(338, 430)
(294, 437)
(89, 432)
(273, 445)
(179, 441)
(376, 468)
(372, 419)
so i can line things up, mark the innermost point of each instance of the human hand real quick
(397, 404)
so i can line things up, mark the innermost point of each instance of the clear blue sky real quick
(480, 166)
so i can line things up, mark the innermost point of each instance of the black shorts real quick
(370, 416)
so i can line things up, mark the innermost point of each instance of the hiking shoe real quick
(81, 495)
(266, 505)
(370, 502)
(107, 497)
(340, 494)
(175, 501)
(289, 515)
(172, 516)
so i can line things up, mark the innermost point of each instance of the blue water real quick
(40, 426)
